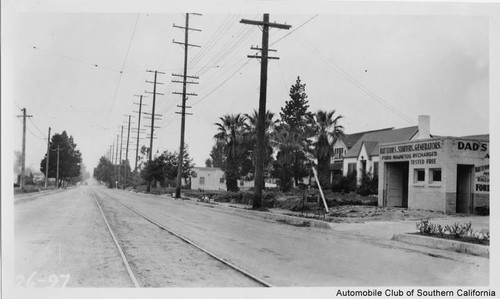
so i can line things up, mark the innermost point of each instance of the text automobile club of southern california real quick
(417, 292)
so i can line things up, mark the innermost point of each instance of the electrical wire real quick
(121, 71)
(356, 83)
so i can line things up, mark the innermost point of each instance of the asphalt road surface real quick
(62, 239)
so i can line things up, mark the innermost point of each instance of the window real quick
(351, 169)
(375, 169)
(221, 180)
(242, 183)
(338, 153)
(419, 176)
(202, 180)
(435, 175)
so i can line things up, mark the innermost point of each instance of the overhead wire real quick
(356, 83)
(121, 70)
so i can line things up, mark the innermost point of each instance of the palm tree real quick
(250, 134)
(230, 134)
(323, 125)
(291, 146)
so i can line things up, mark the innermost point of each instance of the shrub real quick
(344, 184)
(458, 230)
(369, 185)
(426, 228)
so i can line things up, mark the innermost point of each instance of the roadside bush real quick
(226, 196)
(344, 184)
(368, 185)
(458, 230)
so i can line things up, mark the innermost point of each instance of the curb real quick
(444, 244)
(285, 219)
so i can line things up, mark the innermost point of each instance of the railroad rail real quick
(183, 238)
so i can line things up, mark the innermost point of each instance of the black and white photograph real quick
(222, 149)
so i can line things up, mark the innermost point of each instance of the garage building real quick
(447, 174)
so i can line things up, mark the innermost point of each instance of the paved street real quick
(64, 233)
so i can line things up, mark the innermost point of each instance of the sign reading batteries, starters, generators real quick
(418, 154)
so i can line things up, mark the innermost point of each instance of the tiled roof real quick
(478, 137)
(351, 139)
(374, 139)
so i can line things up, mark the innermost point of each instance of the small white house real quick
(212, 178)
(208, 178)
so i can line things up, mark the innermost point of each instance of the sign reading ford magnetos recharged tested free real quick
(417, 154)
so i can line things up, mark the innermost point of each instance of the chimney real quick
(424, 127)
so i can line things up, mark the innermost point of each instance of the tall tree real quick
(325, 127)
(217, 154)
(104, 171)
(250, 140)
(230, 134)
(295, 115)
(290, 145)
(69, 157)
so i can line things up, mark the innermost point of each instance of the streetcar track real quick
(186, 240)
(122, 255)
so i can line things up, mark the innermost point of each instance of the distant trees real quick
(163, 168)
(105, 171)
(70, 158)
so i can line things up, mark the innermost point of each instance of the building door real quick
(465, 177)
(396, 184)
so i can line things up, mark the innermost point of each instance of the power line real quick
(121, 71)
(356, 83)
(298, 27)
(222, 83)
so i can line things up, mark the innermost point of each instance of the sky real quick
(378, 68)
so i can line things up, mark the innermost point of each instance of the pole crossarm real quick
(154, 93)
(156, 114)
(262, 23)
(191, 77)
(182, 27)
(258, 56)
(158, 72)
(188, 94)
(260, 49)
(187, 82)
(186, 44)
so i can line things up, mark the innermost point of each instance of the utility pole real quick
(151, 137)
(120, 161)
(57, 171)
(259, 155)
(47, 161)
(184, 98)
(113, 153)
(117, 170)
(128, 137)
(23, 155)
(138, 129)
(109, 153)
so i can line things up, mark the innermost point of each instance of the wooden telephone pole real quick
(260, 152)
(139, 113)
(151, 137)
(47, 161)
(23, 154)
(184, 98)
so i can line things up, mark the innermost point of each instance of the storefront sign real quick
(482, 179)
(418, 154)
